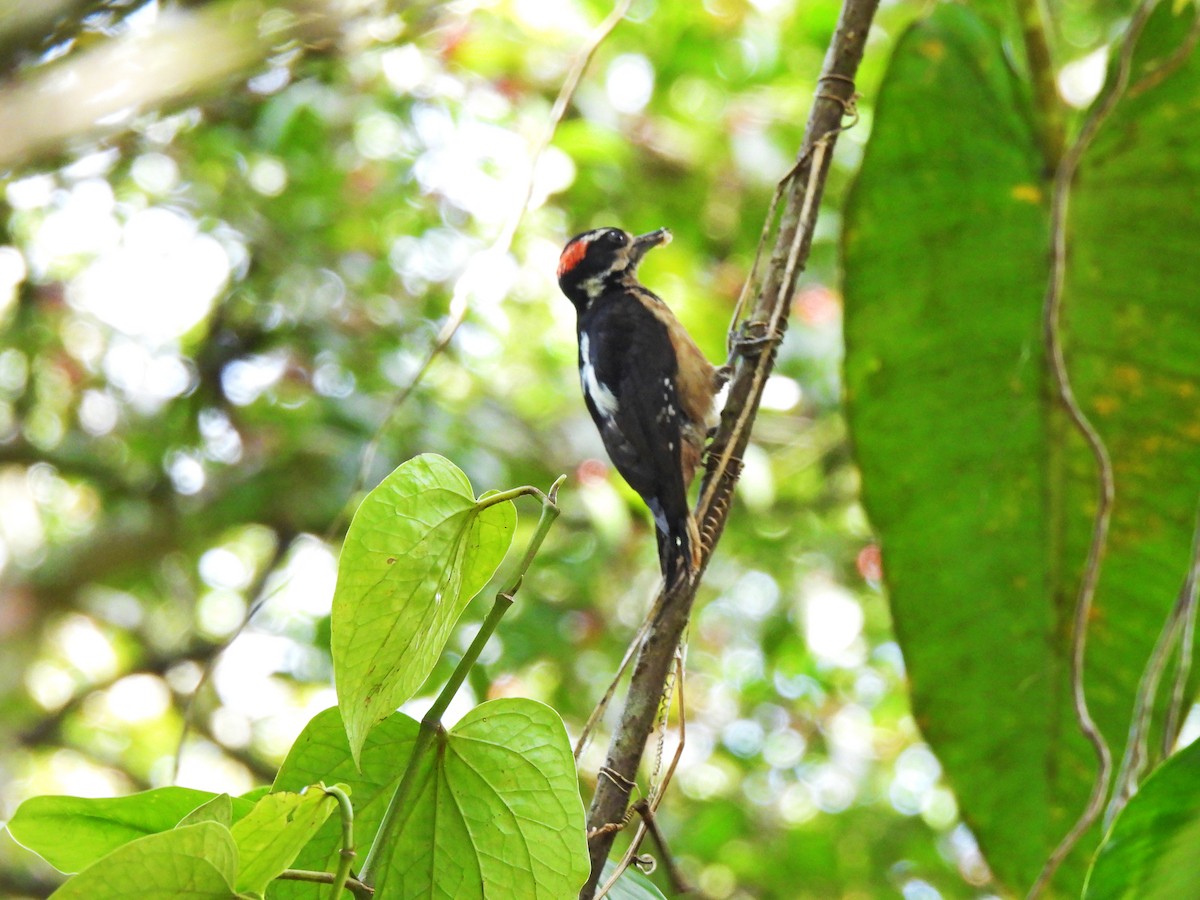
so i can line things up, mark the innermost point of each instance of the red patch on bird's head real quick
(572, 256)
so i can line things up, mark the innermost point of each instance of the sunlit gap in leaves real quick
(255, 676)
(133, 258)
(1080, 80)
(141, 276)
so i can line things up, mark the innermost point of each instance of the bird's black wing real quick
(628, 369)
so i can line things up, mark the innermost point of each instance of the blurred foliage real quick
(210, 302)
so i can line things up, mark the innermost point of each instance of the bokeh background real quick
(229, 234)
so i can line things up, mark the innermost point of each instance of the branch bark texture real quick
(792, 242)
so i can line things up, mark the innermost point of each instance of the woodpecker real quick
(649, 388)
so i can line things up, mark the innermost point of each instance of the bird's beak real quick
(644, 243)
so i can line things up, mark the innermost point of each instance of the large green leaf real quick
(945, 270)
(416, 552)
(497, 807)
(271, 835)
(981, 492)
(198, 862)
(71, 833)
(322, 752)
(1130, 320)
(1151, 851)
(496, 812)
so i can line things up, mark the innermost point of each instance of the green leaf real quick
(945, 386)
(1150, 853)
(71, 833)
(219, 809)
(982, 492)
(496, 812)
(505, 801)
(272, 834)
(196, 862)
(632, 885)
(322, 752)
(1129, 319)
(416, 553)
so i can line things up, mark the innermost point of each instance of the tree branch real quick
(186, 53)
(793, 239)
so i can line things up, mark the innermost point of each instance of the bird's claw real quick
(752, 337)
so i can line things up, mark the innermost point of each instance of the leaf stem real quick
(391, 818)
(505, 496)
(346, 857)
(431, 723)
(353, 885)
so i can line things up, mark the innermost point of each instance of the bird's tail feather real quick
(679, 550)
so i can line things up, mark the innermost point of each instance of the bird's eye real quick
(615, 237)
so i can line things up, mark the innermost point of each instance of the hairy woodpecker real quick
(649, 388)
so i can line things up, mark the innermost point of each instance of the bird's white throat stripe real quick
(601, 396)
(594, 287)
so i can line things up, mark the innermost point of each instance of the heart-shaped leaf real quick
(496, 812)
(419, 548)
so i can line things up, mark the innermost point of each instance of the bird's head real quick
(594, 261)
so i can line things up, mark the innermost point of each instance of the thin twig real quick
(1105, 489)
(721, 471)
(678, 883)
(651, 802)
(460, 298)
(661, 791)
(600, 707)
(1174, 719)
(751, 283)
(674, 683)
(1174, 722)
